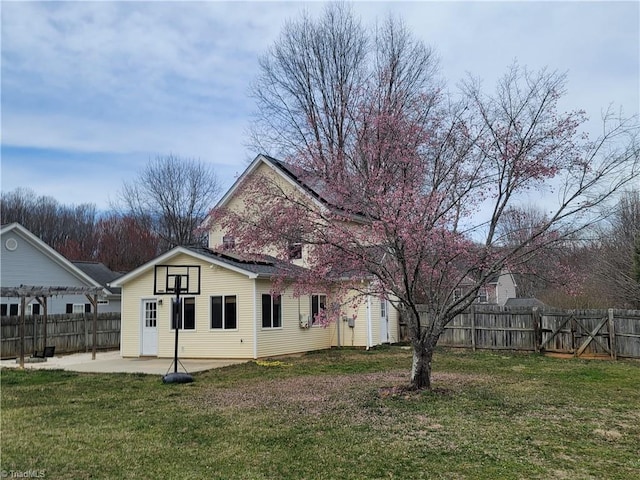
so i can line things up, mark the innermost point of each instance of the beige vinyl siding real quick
(236, 204)
(358, 336)
(290, 338)
(203, 342)
(394, 323)
(216, 233)
(130, 325)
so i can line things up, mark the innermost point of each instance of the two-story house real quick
(229, 310)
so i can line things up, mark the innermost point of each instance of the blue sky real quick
(92, 90)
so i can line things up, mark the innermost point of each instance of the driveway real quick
(112, 362)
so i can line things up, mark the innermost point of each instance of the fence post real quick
(472, 313)
(573, 332)
(612, 335)
(23, 306)
(536, 318)
(35, 331)
(86, 332)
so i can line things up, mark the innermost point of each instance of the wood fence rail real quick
(67, 332)
(611, 332)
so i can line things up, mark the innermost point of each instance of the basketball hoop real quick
(176, 279)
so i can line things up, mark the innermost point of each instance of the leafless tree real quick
(70, 229)
(174, 194)
(615, 261)
(124, 243)
(321, 77)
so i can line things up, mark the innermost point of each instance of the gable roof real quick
(262, 267)
(305, 182)
(51, 254)
(285, 171)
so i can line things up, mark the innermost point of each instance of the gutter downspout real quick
(369, 340)
(338, 322)
(255, 319)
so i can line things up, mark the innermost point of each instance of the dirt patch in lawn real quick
(319, 394)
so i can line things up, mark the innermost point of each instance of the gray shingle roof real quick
(524, 302)
(100, 273)
(312, 184)
(263, 266)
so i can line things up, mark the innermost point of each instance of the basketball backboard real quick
(167, 277)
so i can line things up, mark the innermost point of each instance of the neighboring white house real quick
(498, 289)
(26, 260)
(234, 314)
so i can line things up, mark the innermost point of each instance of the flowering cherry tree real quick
(408, 186)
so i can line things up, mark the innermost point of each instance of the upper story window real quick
(294, 250)
(228, 242)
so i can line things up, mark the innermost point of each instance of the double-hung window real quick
(318, 304)
(78, 308)
(271, 311)
(483, 295)
(228, 242)
(224, 312)
(187, 314)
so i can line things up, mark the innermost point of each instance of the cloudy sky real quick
(92, 90)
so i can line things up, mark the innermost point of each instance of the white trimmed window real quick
(318, 304)
(33, 309)
(77, 308)
(228, 242)
(188, 314)
(271, 311)
(483, 296)
(224, 312)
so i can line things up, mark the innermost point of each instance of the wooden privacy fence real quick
(614, 333)
(67, 332)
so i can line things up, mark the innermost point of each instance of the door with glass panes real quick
(149, 343)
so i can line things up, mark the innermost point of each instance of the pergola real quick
(41, 294)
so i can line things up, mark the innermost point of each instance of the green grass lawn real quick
(332, 415)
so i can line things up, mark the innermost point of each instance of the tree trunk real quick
(421, 366)
(424, 337)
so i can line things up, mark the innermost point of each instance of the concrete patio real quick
(112, 362)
